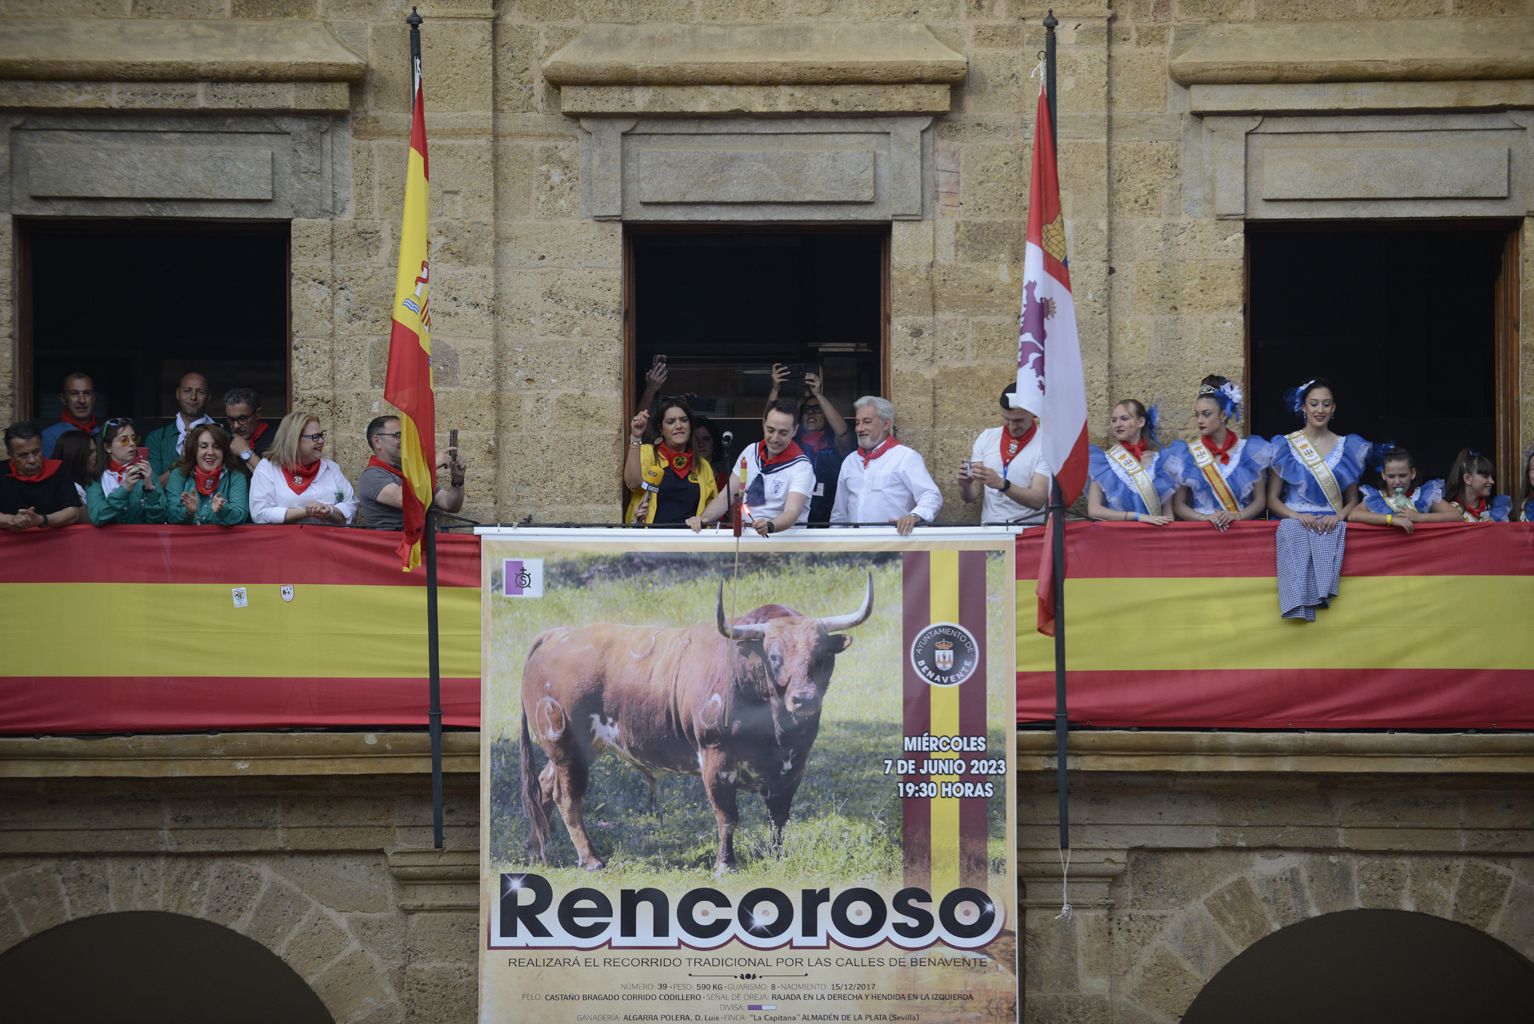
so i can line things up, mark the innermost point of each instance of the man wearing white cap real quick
(1007, 466)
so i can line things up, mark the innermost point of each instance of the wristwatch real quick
(246, 454)
(1006, 485)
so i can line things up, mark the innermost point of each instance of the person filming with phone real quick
(381, 487)
(128, 491)
(1007, 466)
(824, 435)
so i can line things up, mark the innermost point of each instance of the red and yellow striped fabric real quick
(944, 838)
(138, 629)
(1179, 627)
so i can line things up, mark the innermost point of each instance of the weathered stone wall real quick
(527, 298)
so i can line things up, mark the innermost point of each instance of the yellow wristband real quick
(1389, 519)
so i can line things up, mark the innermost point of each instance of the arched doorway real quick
(1370, 965)
(149, 967)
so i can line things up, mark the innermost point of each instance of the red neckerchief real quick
(118, 467)
(814, 440)
(1221, 452)
(1474, 510)
(207, 482)
(885, 445)
(1137, 449)
(299, 478)
(793, 451)
(680, 462)
(50, 467)
(89, 426)
(381, 464)
(255, 435)
(1010, 445)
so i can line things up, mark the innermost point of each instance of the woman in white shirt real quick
(295, 483)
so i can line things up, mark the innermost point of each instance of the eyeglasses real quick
(128, 439)
(396, 435)
(313, 437)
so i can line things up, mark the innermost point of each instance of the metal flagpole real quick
(429, 544)
(1057, 517)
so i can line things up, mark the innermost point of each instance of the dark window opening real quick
(1409, 324)
(137, 304)
(724, 306)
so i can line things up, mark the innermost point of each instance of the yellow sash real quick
(1137, 476)
(1318, 467)
(1211, 470)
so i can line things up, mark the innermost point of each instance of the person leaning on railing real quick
(1220, 474)
(206, 485)
(127, 490)
(1128, 484)
(1470, 491)
(295, 483)
(666, 480)
(1523, 512)
(1006, 471)
(82, 458)
(34, 491)
(1316, 472)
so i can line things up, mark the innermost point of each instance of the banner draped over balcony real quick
(1178, 627)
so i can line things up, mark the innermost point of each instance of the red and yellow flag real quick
(408, 386)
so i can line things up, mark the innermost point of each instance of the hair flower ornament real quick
(1153, 422)
(1295, 397)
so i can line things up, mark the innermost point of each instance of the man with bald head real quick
(165, 444)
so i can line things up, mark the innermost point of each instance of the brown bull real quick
(737, 703)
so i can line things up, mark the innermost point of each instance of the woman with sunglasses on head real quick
(824, 435)
(206, 485)
(1316, 472)
(1220, 474)
(667, 481)
(1470, 491)
(295, 483)
(126, 491)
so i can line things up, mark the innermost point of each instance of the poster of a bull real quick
(660, 719)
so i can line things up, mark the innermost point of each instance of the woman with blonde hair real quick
(295, 483)
(1126, 484)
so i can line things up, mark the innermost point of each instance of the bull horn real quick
(832, 623)
(733, 632)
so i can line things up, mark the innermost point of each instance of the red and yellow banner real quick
(1179, 627)
(408, 385)
(165, 629)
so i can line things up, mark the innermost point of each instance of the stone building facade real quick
(554, 126)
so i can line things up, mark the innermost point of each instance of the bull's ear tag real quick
(522, 577)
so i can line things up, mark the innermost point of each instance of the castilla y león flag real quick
(408, 386)
(1049, 381)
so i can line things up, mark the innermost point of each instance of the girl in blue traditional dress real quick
(1126, 484)
(1400, 502)
(1525, 509)
(1470, 493)
(1315, 472)
(1218, 476)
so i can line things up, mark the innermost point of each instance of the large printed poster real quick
(766, 784)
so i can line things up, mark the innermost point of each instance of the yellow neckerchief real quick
(1318, 468)
(1137, 476)
(1207, 465)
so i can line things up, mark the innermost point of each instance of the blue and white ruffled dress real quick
(1421, 499)
(1249, 459)
(1301, 491)
(1499, 511)
(1119, 492)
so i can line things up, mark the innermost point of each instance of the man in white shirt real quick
(1007, 465)
(779, 477)
(883, 481)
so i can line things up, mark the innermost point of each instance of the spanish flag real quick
(408, 385)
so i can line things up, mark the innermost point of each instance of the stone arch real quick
(1370, 965)
(1202, 909)
(256, 899)
(148, 965)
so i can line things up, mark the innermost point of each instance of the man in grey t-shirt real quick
(380, 488)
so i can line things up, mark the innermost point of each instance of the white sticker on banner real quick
(240, 600)
(287, 592)
(522, 577)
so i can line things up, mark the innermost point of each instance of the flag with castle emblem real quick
(1046, 330)
(408, 384)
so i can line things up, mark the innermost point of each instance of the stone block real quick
(1479, 894)
(1212, 10)
(273, 8)
(441, 992)
(1068, 1009)
(339, 883)
(1194, 937)
(517, 54)
(312, 301)
(353, 989)
(1382, 884)
(1211, 286)
(463, 304)
(991, 241)
(1138, 82)
(1515, 925)
(1132, 933)
(186, 885)
(975, 289)
(1431, 884)
(232, 890)
(87, 886)
(450, 936)
(1239, 912)
(457, 244)
(179, 8)
(1166, 985)
(998, 81)
(1173, 879)
(556, 181)
(313, 362)
(544, 244)
(583, 304)
(363, 295)
(136, 883)
(277, 914)
(1283, 894)
(11, 930)
(318, 940)
(515, 164)
(1051, 964)
(1330, 882)
(993, 180)
(37, 897)
(67, 8)
(462, 179)
(1143, 176)
(459, 55)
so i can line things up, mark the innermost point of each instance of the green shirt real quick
(232, 486)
